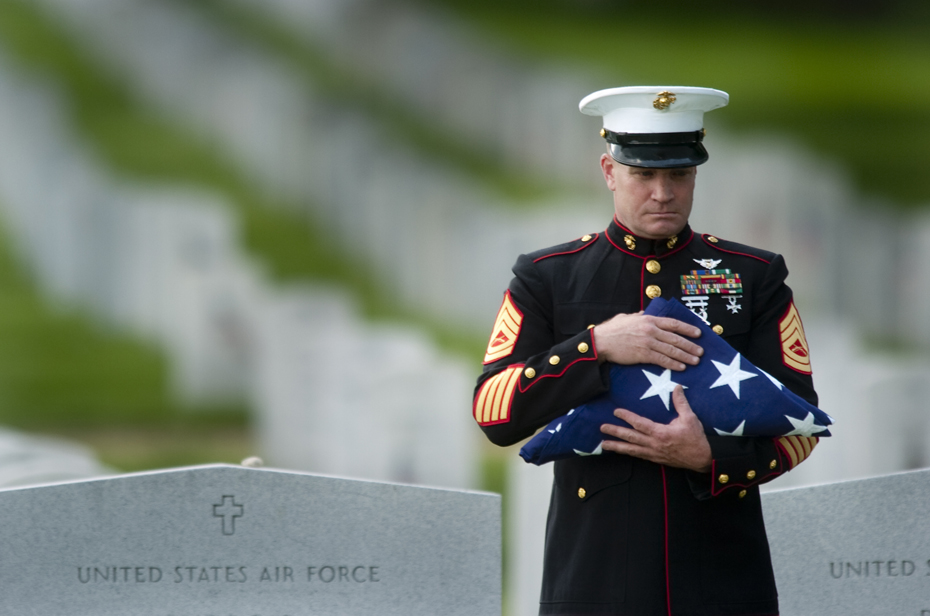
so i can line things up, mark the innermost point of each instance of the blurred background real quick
(283, 227)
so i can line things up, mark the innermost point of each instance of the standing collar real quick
(626, 241)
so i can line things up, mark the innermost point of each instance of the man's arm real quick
(530, 378)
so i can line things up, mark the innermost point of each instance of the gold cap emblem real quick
(630, 242)
(603, 132)
(663, 100)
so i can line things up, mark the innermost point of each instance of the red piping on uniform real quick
(732, 252)
(668, 584)
(759, 478)
(783, 452)
(545, 376)
(632, 254)
(568, 252)
(642, 282)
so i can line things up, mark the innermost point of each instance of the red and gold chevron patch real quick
(794, 350)
(492, 404)
(505, 332)
(798, 448)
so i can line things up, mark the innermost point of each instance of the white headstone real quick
(230, 540)
(857, 548)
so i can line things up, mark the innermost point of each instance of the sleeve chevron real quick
(492, 404)
(506, 330)
(798, 448)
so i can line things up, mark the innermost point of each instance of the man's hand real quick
(640, 339)
(681, 443)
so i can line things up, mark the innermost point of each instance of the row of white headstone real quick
(444, 242)
(334, 394)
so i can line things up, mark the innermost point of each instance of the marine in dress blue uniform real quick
(638, 530)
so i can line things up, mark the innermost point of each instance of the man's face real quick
(652, 203)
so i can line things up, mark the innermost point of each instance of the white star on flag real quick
(661, 385)
(597, 451)
(731, 375)
(806, 427)
(737, 432)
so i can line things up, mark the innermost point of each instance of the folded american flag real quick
(728, 394)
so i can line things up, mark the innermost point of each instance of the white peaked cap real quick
(653, 109)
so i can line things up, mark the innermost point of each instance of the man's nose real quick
(662, 191)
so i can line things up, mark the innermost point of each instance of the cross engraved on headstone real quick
(229, 511)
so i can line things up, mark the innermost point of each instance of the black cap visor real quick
(661, 151)
(659, 156)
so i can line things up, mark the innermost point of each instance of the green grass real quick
(339, 84)
(61, 371)
(852, 90)
(63, 374)
(137, 143)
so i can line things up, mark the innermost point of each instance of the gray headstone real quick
(856, 548)
(224, 539)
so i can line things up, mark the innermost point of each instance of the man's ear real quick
(607, 168)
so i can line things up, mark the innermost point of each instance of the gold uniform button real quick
(773, 464)
(582, 347)
(529, 372)
(586, 238)
(653, 266)
(712, 239)
(742, 493)
(591, 326)
(751, 475)
(653, 291)
(554, 360)
(581, 493)
(718, 329)
(723, 478)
